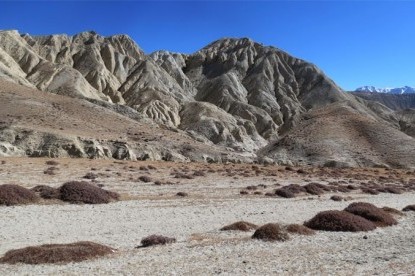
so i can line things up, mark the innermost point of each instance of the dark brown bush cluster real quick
(370, 212)
(393, 211)
(156, 240)
(182, 194)
(46, 192)
(52, 163)
(84, 192)
(240, 226)
(290, 191)
(56, 253)
(299, 229)
(409, 208)
(51, 170)
(271, 232)
(145, 179)
(339, 221)
(336, 198)
(90, 175)
(15, 195)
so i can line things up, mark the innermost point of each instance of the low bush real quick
(271, 232)
(46, 192)
(145, 179)
(15, 195)
(342, 221)
(240, 226)
(83, 192)
(409, 208)
(56, 253)
(156, 240)
(392, 211)
(372, 213)
(182, 194)
(299, 229)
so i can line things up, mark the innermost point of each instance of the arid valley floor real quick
(214, 199)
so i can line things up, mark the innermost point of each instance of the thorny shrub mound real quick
(393, 211)
(299, 229)
(271, 232)
(56, 253)
(240, 226)
(156, 240)
(83, 192)
(46, 192)
(409, 208)
(14, 195)
(341, 221)
(372, 213)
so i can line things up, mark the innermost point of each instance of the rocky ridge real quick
(234, 94)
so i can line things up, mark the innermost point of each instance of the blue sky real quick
(354, 42)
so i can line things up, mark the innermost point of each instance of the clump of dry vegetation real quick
(372, 213)
(240, 226)
(52, 163)
(46, 192)
(299, 229)
(84, 192)
(145, 179)
(56, 253)
(156, 240)
(409, 208)
(182, 194)
(336, 198)
(342, 221)
(51, 170)
(15, 195)
(271, 232)
(393, 211)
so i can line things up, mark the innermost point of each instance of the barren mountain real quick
(234, 96)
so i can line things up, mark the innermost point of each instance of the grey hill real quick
(234, 100)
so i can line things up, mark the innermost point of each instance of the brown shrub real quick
(46, 192)
(393, 190)
(156, 240)
(370, 191)
(90, 175)
(51, 170)
(151, 167)
(314, 188)
(182, 194)
(240, 226)
(145, 178)
(343, 221)
(199, 173)
(253, 188)
(271, 232)
(409, 208)
(299, 229)
(56, 253)
(257, 193)
(286, 193)
(337, 198)
(14, 195)
(243, 192)
(52, 163)
(372, 213)
(392, 211)
(83, 192)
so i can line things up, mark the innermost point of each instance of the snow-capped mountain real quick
(399, 90)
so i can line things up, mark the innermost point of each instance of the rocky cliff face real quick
(234, 93)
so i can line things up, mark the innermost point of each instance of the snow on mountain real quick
(399, 90)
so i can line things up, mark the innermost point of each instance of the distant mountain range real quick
(399, 90)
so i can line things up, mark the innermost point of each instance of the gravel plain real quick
(201, 249)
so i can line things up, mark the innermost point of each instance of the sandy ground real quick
(214, 201)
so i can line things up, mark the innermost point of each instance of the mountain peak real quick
(398, 90)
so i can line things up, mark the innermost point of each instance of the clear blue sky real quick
(354, 42)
